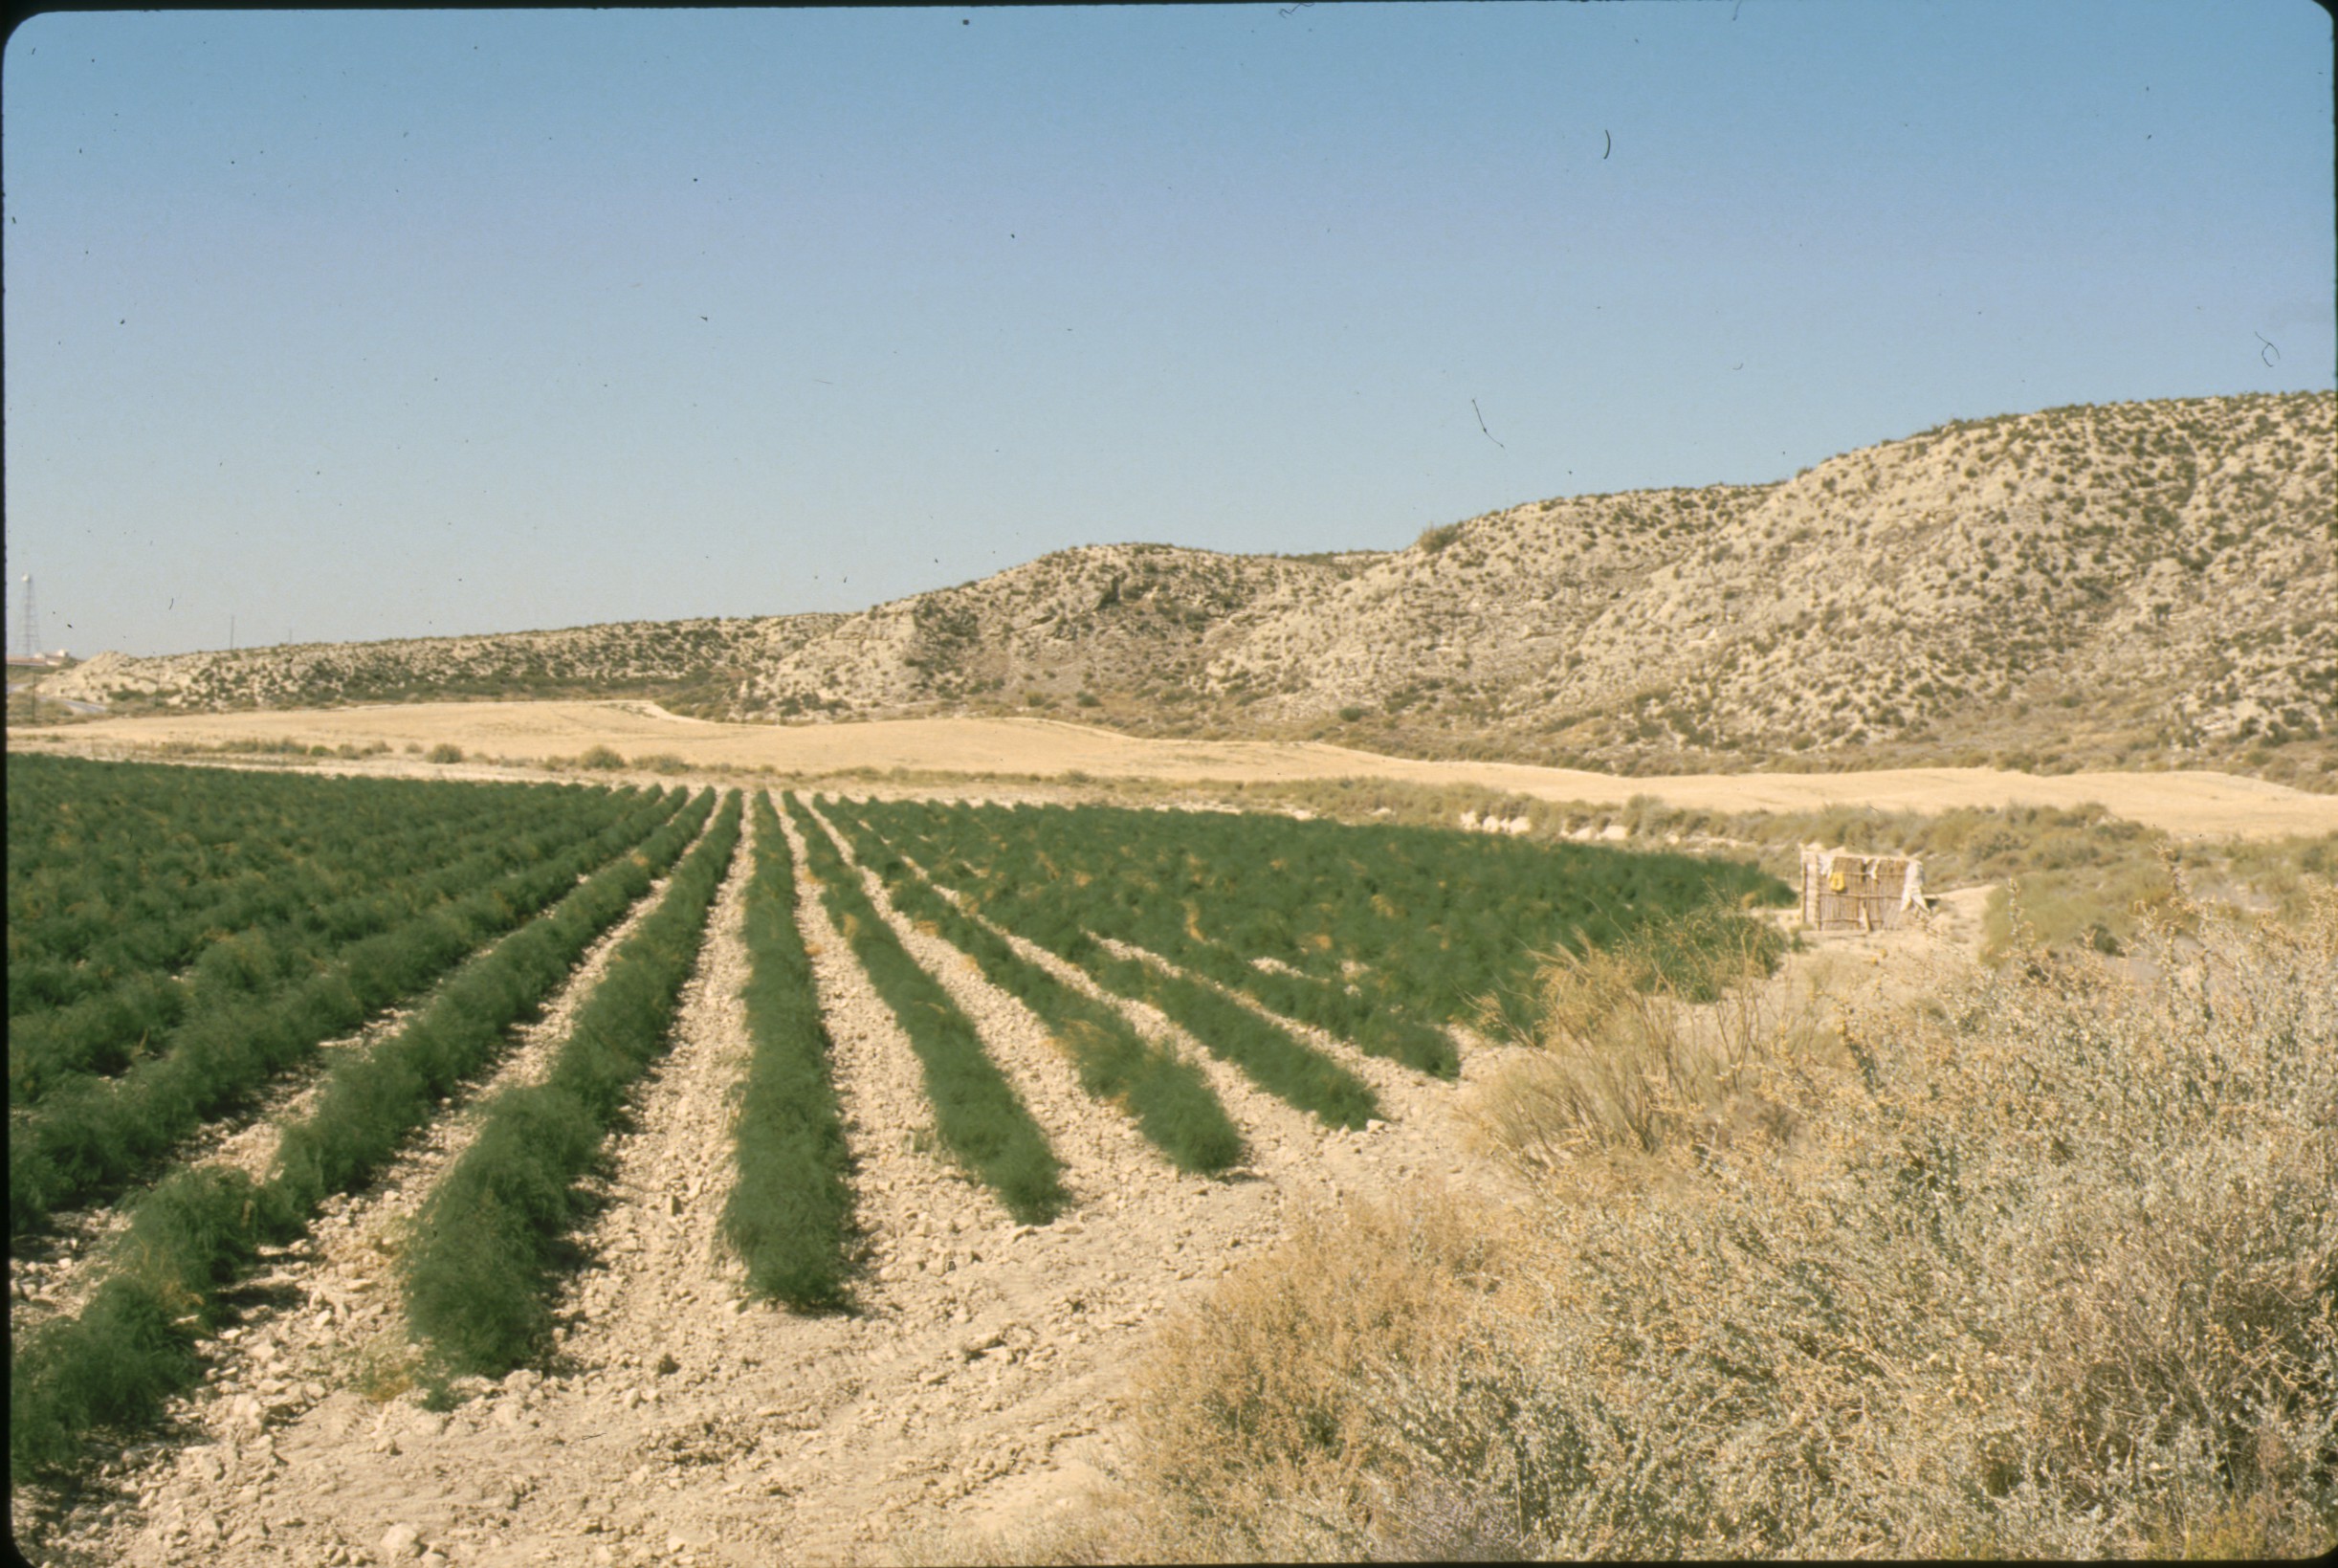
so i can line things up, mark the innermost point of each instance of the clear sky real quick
(351, 325)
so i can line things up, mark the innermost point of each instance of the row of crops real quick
(451, 913)
(103, 1106)
(492, 938)
(1380, 935)
(1239, 930)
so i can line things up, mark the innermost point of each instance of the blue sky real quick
(352, 325)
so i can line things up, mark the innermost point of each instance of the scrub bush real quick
(2046, 1267)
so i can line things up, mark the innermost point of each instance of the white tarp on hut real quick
(1847, 892)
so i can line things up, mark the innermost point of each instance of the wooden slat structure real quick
(1847, 892)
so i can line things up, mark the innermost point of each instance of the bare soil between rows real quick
(976, 1386)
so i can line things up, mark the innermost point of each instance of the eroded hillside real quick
(2126, 583)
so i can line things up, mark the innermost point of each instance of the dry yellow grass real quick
(2049, 1265)
(2191, 805)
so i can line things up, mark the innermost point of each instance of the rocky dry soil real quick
(976, 1387)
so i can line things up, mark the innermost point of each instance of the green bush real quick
(1267, 1053)
(1168, 1097)
(977, 1114)
(482, 1262)
(268, 931)
(88, 1140)
(369, 1104)
(124, 869)
(1395, 927)
(790, 1212)
(131, 1347)
(107, 1367)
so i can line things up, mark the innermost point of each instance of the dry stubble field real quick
(2202, 805)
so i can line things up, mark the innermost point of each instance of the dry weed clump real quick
(2048, 1266)
(1258, 1420)
(1674, 1037)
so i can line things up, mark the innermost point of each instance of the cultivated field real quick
(496, 1172)
(286, 1142)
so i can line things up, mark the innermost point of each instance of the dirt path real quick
(2190, 805)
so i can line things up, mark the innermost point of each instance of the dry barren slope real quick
(2088, 586)
(1132, 620)
(2096, 581)
(686, 658)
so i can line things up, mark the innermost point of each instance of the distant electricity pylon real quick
(31, 633)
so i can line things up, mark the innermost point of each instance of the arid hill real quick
(2134, 583)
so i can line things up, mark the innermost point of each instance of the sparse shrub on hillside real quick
(2215, 499)
(1436, 539)
(598, 757)
(446, 751)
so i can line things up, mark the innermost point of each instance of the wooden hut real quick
(1847, 892)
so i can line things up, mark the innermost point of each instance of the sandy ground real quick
(2189, 804)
